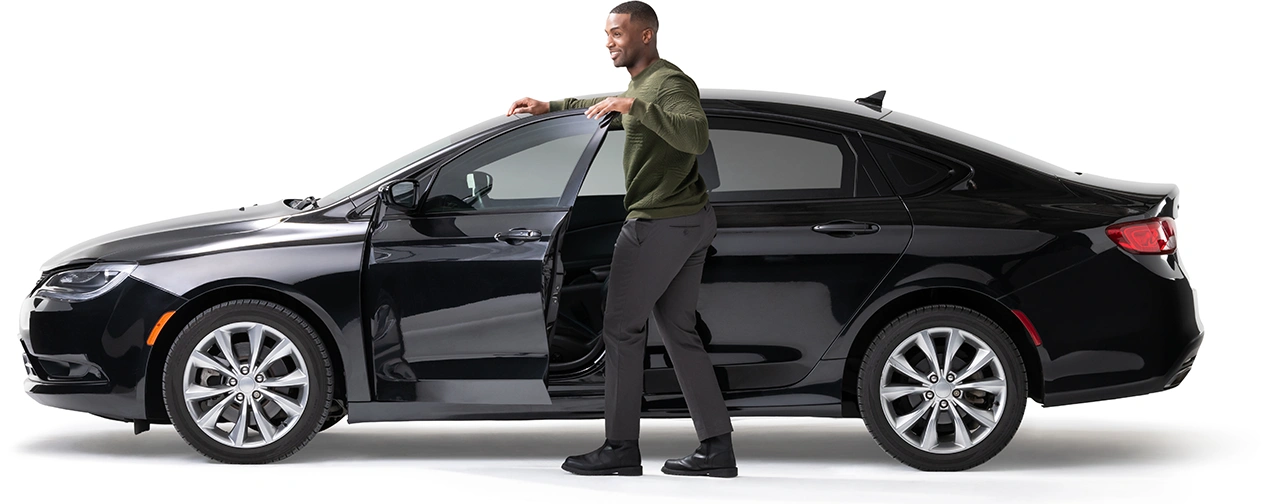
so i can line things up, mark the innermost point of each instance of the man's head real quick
(632, 33)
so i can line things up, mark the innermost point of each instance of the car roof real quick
(762, 101)
(833, 111)
(750, 100)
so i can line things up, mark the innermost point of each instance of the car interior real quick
(586, 252)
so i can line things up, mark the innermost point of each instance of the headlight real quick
(84, 284)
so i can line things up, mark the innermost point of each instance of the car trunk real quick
(1148, 199)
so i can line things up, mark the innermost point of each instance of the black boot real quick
(713, 458)
(613, 457)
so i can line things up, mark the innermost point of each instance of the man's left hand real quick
(610, 104)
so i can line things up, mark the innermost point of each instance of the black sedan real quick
(867, 264)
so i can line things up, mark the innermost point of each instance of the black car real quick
(867, 264)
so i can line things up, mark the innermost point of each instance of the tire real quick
(246, 423)
(975, 416)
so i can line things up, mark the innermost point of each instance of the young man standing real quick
(659, 254)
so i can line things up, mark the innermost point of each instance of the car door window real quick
(761, 160)
(525, 168)
(606, 177)
(754, 160)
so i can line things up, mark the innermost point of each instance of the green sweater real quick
(665, 131)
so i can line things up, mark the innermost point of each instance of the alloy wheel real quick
(246, 384)
(943, 390)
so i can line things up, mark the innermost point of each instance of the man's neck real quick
(642, 63)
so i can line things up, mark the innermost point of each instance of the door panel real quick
(461, 294)
(453, 304)
(774, 293)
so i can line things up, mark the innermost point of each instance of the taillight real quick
(1157, 235)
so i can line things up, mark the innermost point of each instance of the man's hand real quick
(611, 104)
(529, 105)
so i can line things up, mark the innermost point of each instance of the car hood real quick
(134, 243)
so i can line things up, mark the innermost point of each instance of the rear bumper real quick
(1116, 325)
(1171, 378)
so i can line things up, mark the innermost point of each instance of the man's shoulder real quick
(670, 74)
(668, 69)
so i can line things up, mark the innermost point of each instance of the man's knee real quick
(625, 333)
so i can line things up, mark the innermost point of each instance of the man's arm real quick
(676, 115)
(572, 103)
(531, 106)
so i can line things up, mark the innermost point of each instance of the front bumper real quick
(92, 355)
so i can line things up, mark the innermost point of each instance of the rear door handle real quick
(846, 229)
(516, 236)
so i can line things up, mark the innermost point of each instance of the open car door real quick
(461, 292)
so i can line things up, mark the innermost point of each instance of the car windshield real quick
(408, 159)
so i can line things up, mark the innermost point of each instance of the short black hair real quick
(640, 12)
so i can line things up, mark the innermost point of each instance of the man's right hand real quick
(529, 105)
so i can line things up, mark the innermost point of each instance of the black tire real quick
(321, 380)
(895, 333)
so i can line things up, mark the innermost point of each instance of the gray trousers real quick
(656, 268)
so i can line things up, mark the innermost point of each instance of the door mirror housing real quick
(401, 194)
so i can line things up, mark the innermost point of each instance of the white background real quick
(119, 113)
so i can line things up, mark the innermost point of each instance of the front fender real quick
(315, 265)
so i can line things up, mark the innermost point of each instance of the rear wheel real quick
(942, 388)
(248, 382)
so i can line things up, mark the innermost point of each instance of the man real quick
(659, 253)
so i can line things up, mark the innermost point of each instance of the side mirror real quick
(402, 194)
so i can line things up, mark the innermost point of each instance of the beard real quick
(625, 59)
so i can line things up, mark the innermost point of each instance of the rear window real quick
(980, 144)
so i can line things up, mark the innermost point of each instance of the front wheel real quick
(942, 388)
(248, 382)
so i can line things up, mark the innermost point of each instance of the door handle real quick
(846, 229)
(516, 236)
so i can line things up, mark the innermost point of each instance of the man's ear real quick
(647, 35)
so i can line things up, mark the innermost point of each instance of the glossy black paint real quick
(311, 259)
(91, 356)
(436, 282)
(787, 311)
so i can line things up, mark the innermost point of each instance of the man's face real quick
(625, 40)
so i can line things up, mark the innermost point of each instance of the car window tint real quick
(909, 172)
(759, 160)
(606, 175)
(528, 167)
